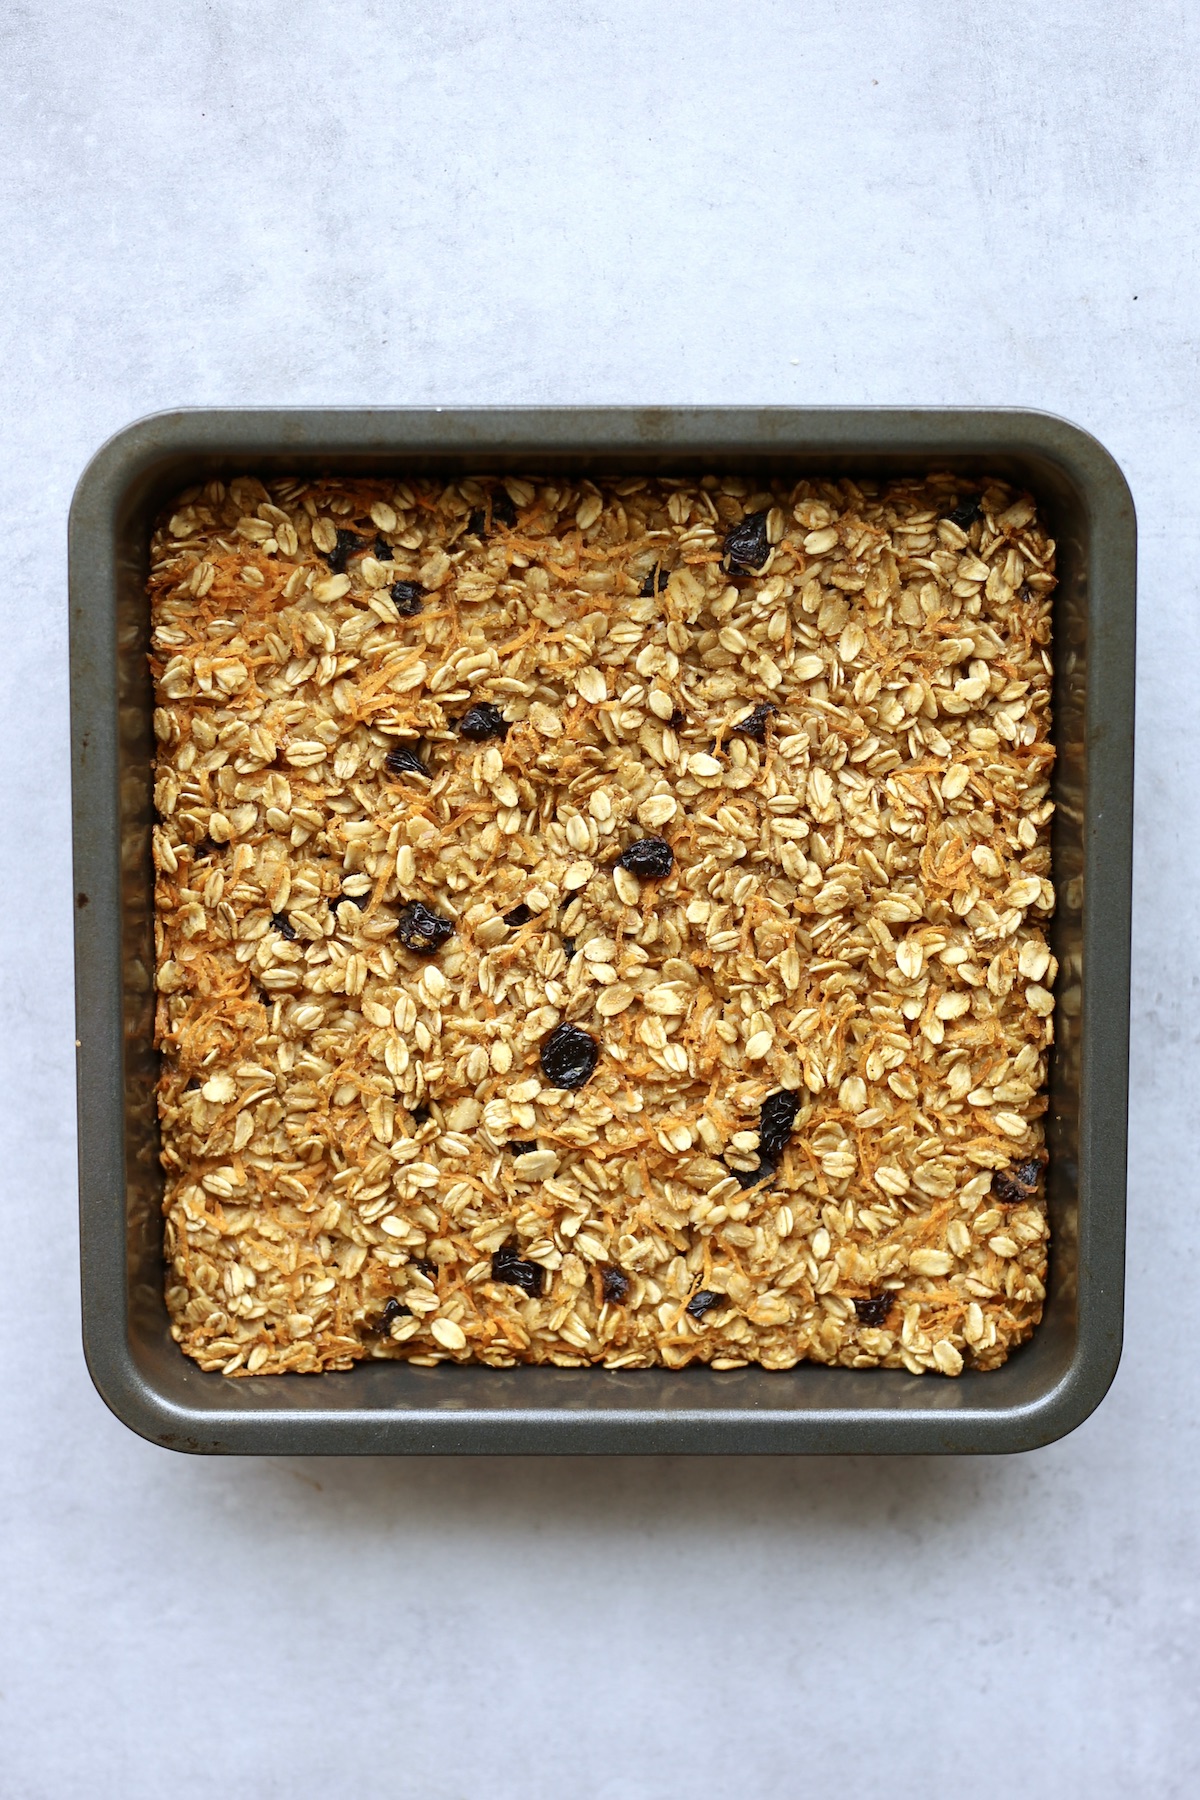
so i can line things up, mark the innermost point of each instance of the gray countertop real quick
(845, 202)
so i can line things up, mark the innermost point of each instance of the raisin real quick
(510, 1268)
(655, 583)
(421, 930)
(425, 1266)
(747, 545)
(483, 721)
(748, 1178)
(520, 915)
(408, 598)
(1013, 1186)
(756, 725)
(381, 550)
(503, 511)
(284, 926)
(966, 512)
(347, 543)
(650, 858)
(775, 1123)
(393, 1309)
(569, 947)
(569, 1056)
(420, 1115)
(191, 1085)
(875, 1308)
(614, 1284)
(477, 523)
(402, 761)
(677, 718)
(520, 1147)
(703, 1302)
(362, 901)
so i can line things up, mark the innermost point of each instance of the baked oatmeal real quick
(603, 922)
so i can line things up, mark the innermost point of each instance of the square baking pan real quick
(1045, 1389)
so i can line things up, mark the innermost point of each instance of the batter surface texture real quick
(603, 923)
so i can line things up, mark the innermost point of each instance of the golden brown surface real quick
(854, 915)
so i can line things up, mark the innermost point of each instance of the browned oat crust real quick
(855, 914)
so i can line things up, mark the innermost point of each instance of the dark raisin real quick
(422, 930)
(191, 1085)
(747, 545)
(403, 761)
(966, 512)
(655, 583)
(1013, 1186)
(614, 1284)
(1005, 1190)
(748, 1178)
(283, 925)
(362, 901)
(569, 947)
(477, 523)
(503, 511)
(520, 915)
(569, 1056)
(393, 1309)
(520, 1147)
(483, 721)
(382, 550)
(775, 1123)
(510, 1268)
(425, 1266)
(756, 725)
(875, 1308)
(650, 858)
(703, 1302)
(677, 718)
(420, 1115)
(408, 597)
(347, 543)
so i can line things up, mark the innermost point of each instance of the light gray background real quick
(595, 200)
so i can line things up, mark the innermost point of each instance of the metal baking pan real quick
(1043, 1391)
